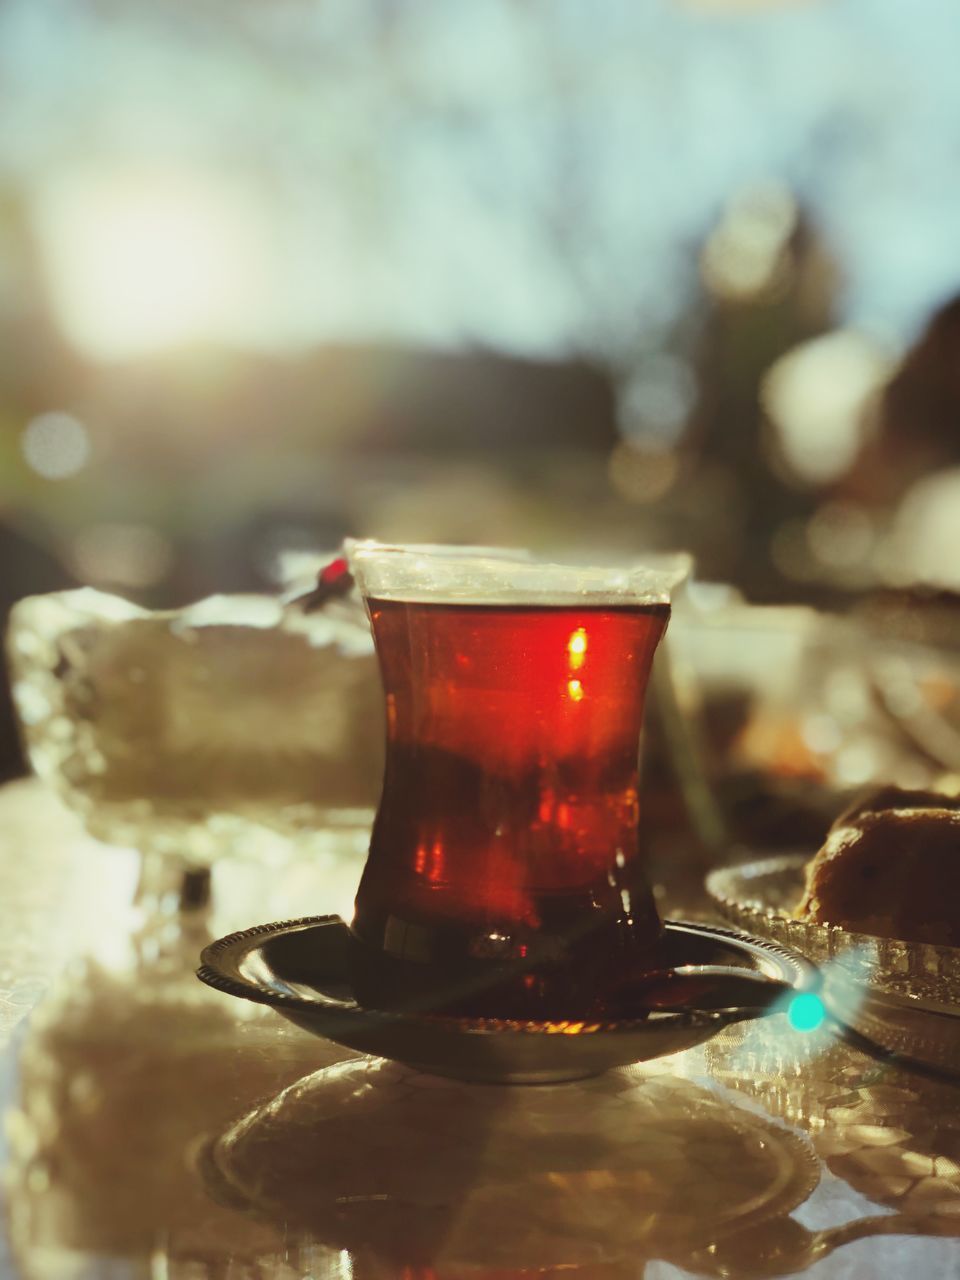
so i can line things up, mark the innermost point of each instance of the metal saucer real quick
(299, 967)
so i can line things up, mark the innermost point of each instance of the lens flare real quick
(55, 445)
(806, 1012)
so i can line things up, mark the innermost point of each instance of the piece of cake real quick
(890, 867)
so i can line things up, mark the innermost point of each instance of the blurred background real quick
(615, 277)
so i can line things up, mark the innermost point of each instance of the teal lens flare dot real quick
(806, 1012)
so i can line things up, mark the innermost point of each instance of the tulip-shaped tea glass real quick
(504, 877)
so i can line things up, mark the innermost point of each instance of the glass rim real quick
(450, 574)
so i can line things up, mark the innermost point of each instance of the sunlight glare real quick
(142, 261)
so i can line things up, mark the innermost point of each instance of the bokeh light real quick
(817, 396)
(745, 256)
(55, 445)
(655, 401)
(922, 544)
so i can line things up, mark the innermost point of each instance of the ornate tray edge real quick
(891, 960)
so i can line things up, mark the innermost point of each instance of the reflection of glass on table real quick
(233, 726)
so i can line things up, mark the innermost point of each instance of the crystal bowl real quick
(233, 728)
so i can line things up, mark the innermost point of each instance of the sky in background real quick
(533, 176)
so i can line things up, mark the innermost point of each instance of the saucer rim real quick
(220, 961)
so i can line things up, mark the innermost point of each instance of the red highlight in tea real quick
(503, 877)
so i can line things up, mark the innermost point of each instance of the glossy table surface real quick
(156, 1129)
